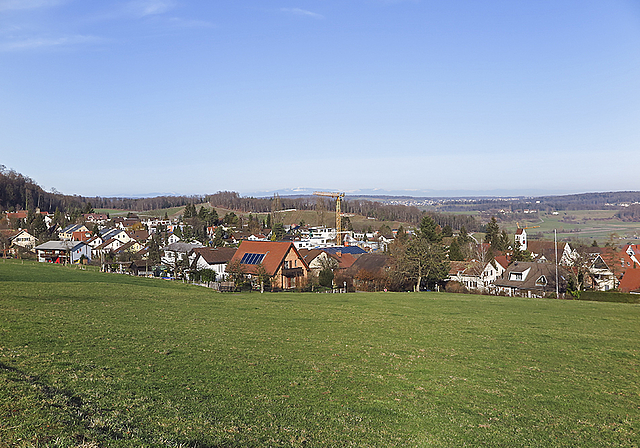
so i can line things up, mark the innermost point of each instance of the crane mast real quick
(338, 197)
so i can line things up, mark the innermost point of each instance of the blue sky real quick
(192, 97)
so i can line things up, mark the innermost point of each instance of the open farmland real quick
(113, 361)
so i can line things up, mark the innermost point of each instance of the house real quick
(172, 238)
(23, 239)
(281, 262)
(63, 251)
(66, 234)
(601, 277)
(117, 234)
(369, 271)
(215, 259)
(130, 247)
(317, 259)
(110, 245)
(475, 275)
(94, 241)
(179, 251)
(531, 279)
(140, 236)
(545, 251)
(630, 282)
(81, 236)
(95, 218)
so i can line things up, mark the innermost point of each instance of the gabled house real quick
(531, 279)
(172, 238)
(281, 262)
(601, 277)
(23, 239)
(63, 251)
(545, 251)
(66, 234)
(179, 251)
(118, 234)
(475, 275)
(215, 259)
(111, 245)
(96, 218)
(369, 271)
(140, 236)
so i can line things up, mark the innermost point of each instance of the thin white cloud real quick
(302, 12)
(178, 22)
(142, 8)
(48, 42)
(7, 5)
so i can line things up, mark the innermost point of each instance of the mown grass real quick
(110, 360)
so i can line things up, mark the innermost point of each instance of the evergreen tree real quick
(429, 230)
(447, 231)
(492, 232)
(455, 253)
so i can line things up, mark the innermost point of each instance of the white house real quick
(63, 251)
(215, 259)
(475, 275)
(24, 239)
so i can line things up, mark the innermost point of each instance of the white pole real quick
(555, 241)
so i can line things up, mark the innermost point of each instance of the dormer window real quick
(516, 276)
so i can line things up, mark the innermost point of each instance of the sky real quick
(140, 97)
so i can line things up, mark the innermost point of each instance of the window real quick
(542, 281)
(516, 276)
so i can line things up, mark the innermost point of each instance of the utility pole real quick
(555, 242)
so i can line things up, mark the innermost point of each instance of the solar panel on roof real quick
(250, 258)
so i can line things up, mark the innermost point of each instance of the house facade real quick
(531, 279)
(281, 262)
(475, 275)
(63, 251)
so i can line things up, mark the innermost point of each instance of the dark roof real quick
(216, 255)
(532, 276)
(353, 250)
(373, 263)
(545, 249)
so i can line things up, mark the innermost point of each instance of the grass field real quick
(92, 359)
(584, 225)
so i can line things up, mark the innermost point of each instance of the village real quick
(234, 255)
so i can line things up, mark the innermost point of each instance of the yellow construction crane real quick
(338, 197)
(527, 227)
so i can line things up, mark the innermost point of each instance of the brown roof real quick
(536, 271)
(373, 263)
(274, 254)
(546, 249)
(308, 255)
(215, 255)
(630, 280)
(138, 235)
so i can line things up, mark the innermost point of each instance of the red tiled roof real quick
(274, 251)
(630, 280)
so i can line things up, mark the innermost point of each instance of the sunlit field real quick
(93, 359)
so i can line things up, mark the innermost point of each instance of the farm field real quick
(93, 359)
(585, 225)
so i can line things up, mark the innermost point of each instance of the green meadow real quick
(106, 360)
